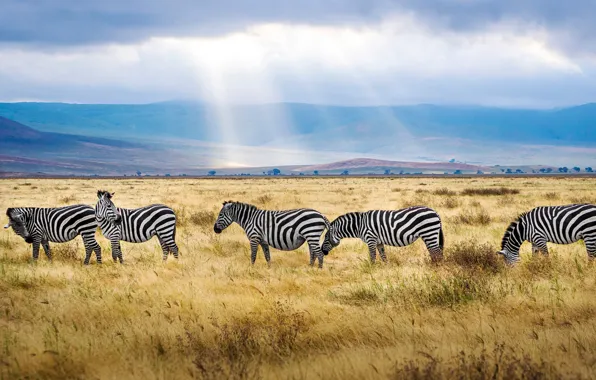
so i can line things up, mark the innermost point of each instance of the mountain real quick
(263, 123)
(192, 136)
(29, 150)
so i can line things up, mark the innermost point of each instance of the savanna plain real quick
(211, 314)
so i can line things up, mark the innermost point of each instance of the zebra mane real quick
(510, 228)
(240, 203)
(104, 192)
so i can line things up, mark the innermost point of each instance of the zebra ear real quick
(9, 211)
(99, 193)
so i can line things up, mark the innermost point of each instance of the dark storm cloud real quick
(74, 22)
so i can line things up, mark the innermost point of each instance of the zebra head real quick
(106, 209)
(225, 217)
(330, 241)
(512, 240)
(17, 220)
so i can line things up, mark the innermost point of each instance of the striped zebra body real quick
(564, 224)
(397, 228)
(285, 230)
(40, 226)
(136, 225)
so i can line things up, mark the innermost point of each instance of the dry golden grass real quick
(212, 315)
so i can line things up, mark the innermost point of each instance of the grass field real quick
(212, 315)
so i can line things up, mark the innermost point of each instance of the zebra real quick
(563, 224)
(285, 230)
(136, 225)
(397, 228)
(58, 225)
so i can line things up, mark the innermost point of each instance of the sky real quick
(510, 53)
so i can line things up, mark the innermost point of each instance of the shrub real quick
(471, 255)
(490, 191)
(551, 195)
(444, 191)
(451, 202)
(501, 364)
(480, 217)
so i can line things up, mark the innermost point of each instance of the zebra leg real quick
(254, 246)
(89, 243)
(312, 255)
(315, 251)
(434, 249)
(174, 249)
(46, 248)
(97, 250)
(164, 248)
(372, 249)
(35, 249)
(116, 251)
(266, 252)
(381, 249)
(590, 243)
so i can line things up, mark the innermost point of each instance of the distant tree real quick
(183, 175)
(479, 172)
(168, 175)
(387, 171)
(139, 173)
(457, 171)
(502, 170)
(542, 170)
(589, 169)
(301, 173)
(211, 172)
(576, 169)
(345, 172)
(508, 171)
(519, 171)
(549, 170)
(452, 160)
(276, 171)
(564, 169)
(316, 172)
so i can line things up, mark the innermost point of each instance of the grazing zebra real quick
(554, 224)
(57, 225)
(136, 225)
(397, 228)
(285, 230)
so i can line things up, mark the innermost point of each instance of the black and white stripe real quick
(397, 228)
(564, 224)
(136, 225)
(285, 230)
(57, 225)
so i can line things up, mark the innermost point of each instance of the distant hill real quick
(260, 124)
(373, 164)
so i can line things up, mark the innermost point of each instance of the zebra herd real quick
(288, 230)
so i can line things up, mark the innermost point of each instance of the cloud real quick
(72, 22)
(397, 60)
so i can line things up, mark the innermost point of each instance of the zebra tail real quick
(327, 222)
(441, 238)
